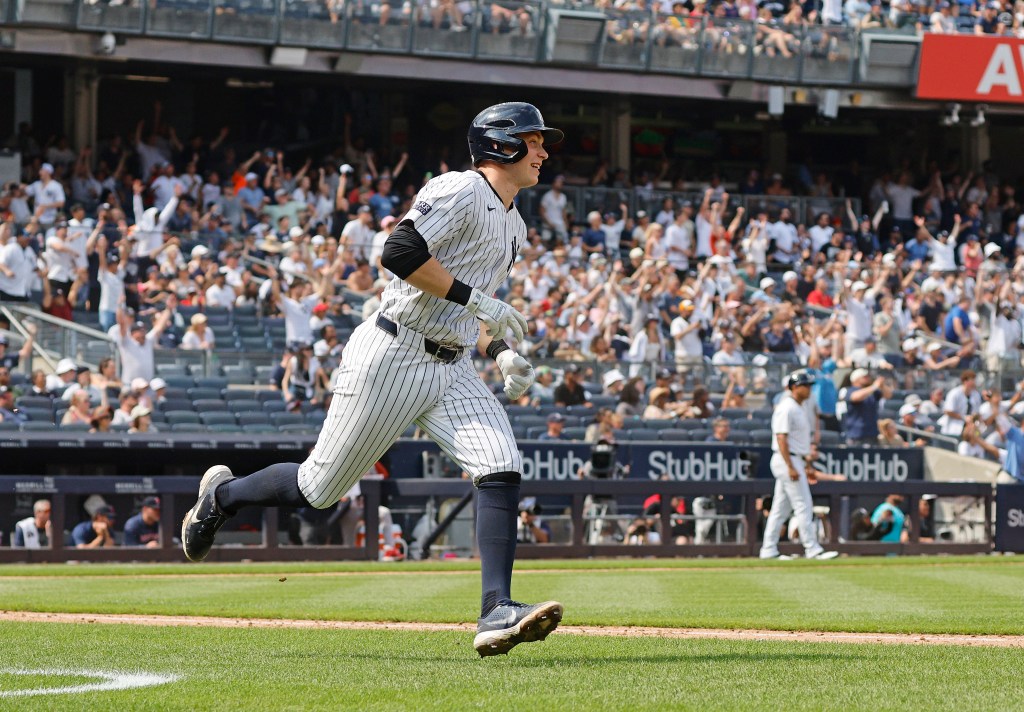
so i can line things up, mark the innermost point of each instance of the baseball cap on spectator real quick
(766, 283)
(641, 214)
(320, 349)
(911, 344)
(200, 251)
(48, 167)
(556, 418)
(199, 318)
(636, 253)
(151, 502)
(612, 377)
(317, 240)
(139, 326)
(157, 383)
(3, 340)
(280, 193)
(719, 259)
(913, 399)
(943, 5)
(888, 259)
(824, 343)
(933, 346)
(251, 176)
(320, 308)
(992, 249)
(593, 215)
(388, 221)
(993, 6)
(139, 384)
(223, 270)
(65, 365)
(858, 286)
(972, 238)
(270, 244)
(859, 373)
(105, 510)
(664, 373)
(296, 232)
(139, 411)
(789, 276)
(346, 168)
(572, 368)
(686, 204)
(907, 409)
(364, 209)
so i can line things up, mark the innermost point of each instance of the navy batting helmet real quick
(803, 377)
(498, 127)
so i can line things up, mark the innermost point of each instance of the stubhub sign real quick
(1010, 518)
(683, 462)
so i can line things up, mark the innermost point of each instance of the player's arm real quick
(406, 254)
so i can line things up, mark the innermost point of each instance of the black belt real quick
(444, 354)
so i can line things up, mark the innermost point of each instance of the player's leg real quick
(384, 383)
(472, 428)
(780, 511)
(803, 507)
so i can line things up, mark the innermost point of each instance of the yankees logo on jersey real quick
(465, 225)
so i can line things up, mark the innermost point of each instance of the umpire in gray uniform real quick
(791, 444)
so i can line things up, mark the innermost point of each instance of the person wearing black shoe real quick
(410, 363)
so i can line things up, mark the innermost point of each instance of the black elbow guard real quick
(405, 250)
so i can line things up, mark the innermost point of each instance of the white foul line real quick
(111, 680)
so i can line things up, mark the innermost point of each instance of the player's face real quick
(527, 171)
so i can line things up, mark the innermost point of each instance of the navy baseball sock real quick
(274, 486)
(497, 507)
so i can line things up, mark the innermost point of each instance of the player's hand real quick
(497, 316)
(794, 474)
(518, 373)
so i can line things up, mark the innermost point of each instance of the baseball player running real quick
(791, 444)
(409, 363)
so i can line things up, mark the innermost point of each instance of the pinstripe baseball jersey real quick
(469, 231)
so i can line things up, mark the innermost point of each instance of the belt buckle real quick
(444, 354)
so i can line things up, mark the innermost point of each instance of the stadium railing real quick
(178, 493)
(538, 32)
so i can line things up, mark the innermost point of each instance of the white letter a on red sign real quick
(1001, 72)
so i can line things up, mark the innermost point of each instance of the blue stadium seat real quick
(265, 396)
(204, 393)
(188, 428)
(39, 402)
(34, 425)
(280, 419)
(760, 436)
(275, 406)
(304, 428)
(644, 434)
(184, 382)
(74, 428)
(44, 415)
(178, 417)
(259, 428)
(217, 383)
(245, 406)
(575, 433)
(176, 404)
(259, 418)
(217, 418)
(224, 428)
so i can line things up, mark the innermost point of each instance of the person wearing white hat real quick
(252, 197)
(47, 196)
(679, 242)
(198, 336)
(859, 304)
(685, 331)
(613, 382)
(766, 293)
(62, 377)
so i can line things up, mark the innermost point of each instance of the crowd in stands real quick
(777, 24)
(670, 314)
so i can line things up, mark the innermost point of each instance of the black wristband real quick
(459, 293)
(496, 347)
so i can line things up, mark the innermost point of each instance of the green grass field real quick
(227, 669)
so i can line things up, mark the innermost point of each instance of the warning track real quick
(998, 641)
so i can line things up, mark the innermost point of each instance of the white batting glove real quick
(518, 373)
(497, 316)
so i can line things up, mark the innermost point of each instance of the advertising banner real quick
(971, 68)
(1010, 518)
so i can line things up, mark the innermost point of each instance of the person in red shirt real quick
(58, 304)
(819, 295)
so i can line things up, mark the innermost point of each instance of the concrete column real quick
(616, 126)
(776, 153)
(22, 99)
(82, 86)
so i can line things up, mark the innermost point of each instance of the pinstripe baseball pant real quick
(387, 383)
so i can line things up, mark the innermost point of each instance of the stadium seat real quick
(217, 418)
(699, 435)
(746, 425)
(234, 394)
(761, 437)
(830, 438)
(239, 375)
(204, 393)
(176, 404)
(33, 425)
(256, 344)
(259, 428)
(178, 417)
(39, 402)
(245, 406)
(535, 432)
(265, 396)
(316, 417)
(224, 428)
(644, 434)
(517, 410)
(304, 428)
(74, 428)
(575, 433)
(188, 427)
(275, 406)
(183, 382)
(44, 415)
(209, 404)
(735, 413)
(9, 425)
(604, 401)
(169, 370)
(674, 435)
(280, 419)
(263, 374)
(217, 383)
(532, 421)
(259, 418)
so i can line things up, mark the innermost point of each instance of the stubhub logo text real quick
(696, 467)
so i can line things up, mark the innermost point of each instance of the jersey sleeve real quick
(780, 421)
(442, 208)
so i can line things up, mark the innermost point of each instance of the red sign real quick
(971, 68)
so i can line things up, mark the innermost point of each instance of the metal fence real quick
(515, 30)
